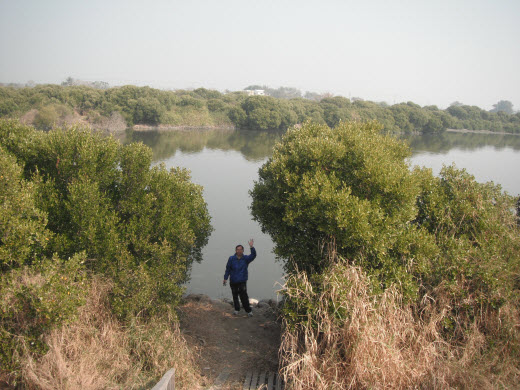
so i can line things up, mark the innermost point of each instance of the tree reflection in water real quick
(254, 145)
(442, 143)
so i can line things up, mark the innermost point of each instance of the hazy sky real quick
(430, 52)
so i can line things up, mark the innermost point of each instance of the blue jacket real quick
(237, 268)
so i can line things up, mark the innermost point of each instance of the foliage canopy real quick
(388, 259)
(76, 204)
(48, 106)
(351, 189)
(135, 222)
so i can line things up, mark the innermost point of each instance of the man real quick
(236, 267)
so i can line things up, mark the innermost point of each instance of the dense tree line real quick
(45, 106)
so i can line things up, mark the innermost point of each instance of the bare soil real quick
(227, 343)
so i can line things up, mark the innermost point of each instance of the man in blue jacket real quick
(236, 267)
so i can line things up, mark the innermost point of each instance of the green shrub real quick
(23, 236)
(7, 107)
(430, 284)
(35, 300)
(475, 231)
(77, 206)
(51, 116)
(140, 226)
(350, 191)
(350, 186)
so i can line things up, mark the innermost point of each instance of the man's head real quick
(239, 250)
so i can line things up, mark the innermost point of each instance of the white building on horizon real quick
(255, 92)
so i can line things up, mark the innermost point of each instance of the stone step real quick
(262, 380)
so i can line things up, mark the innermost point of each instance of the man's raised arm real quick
(252, 256)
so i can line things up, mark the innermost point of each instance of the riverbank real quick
(49, 106)
(165, 128)
(227, 345)
(145, 128)
(463, 131)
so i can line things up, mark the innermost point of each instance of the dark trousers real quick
(240, 289)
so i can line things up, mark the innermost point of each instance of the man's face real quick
(240, 251)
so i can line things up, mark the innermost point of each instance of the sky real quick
(428, 52)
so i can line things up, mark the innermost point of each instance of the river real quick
(226, 164)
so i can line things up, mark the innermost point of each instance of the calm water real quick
(226, 163)
(487, 157)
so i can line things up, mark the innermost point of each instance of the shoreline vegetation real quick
(95, 245)
(145, 128)
(463, 131)
(399, 278)
(142, 108)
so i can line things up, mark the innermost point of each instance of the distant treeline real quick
(47, 106)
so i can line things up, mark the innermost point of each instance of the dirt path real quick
(228, 343)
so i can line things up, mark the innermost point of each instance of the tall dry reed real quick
(98, 352)
(351, 339)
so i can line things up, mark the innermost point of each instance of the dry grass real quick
(359, 341)
(97, 352)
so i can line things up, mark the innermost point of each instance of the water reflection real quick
(488, 157)
(226, 163)
(443, 143)
(253, 145)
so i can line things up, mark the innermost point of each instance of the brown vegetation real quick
(114, 123)
(356, 340)
(227, 343)
(97, 352)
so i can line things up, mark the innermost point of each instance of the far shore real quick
(145, 128)
(479, 131)
(176, 128)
